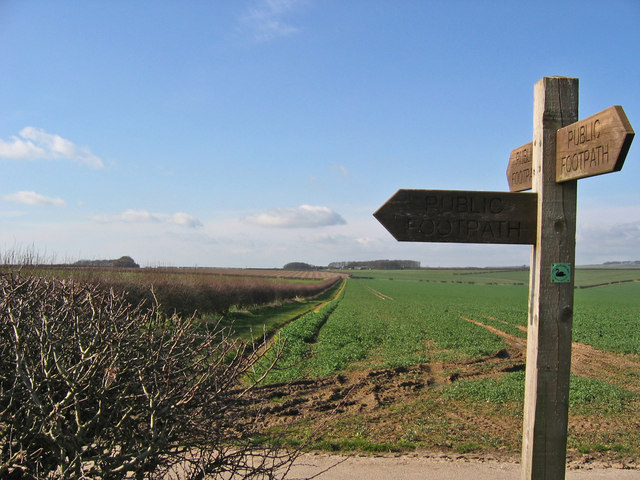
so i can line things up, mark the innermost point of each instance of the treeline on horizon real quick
(359, 265)
(122, 262)
(378, 265)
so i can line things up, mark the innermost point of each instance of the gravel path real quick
(414, 467)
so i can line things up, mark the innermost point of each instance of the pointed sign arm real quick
(593, 146)
(460, 216)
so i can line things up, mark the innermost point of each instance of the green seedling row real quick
(398, 318)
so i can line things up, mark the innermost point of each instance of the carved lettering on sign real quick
(519, 171)
(481, 231)
(585, 160)
(460, 216)
(440, 204)
(593, 146)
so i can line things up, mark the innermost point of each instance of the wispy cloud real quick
(341, 168)
(304, 216)
(34, 143)
(33, 198)
(143, 216)
(185, 220)
(367, 242)
(266, 19)
(601, 243)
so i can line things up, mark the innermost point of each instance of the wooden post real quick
(551, 283)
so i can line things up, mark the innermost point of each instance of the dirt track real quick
(427, 467)
(365, 391)
(389, 405)
(585, 360)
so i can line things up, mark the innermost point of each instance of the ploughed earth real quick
(403, 408)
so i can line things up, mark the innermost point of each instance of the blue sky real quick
(252, 133)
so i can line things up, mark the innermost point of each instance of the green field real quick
(584, 276)
(407, 317)
(443, 319)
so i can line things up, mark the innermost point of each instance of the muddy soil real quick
(380, 404)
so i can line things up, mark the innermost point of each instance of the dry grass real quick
(188, 290)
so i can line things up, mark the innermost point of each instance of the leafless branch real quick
(91, 387)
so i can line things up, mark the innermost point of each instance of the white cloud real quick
(185, 220)
(17, 148)
(304, 216)
(137, 216)
(35, 143)
(603, 243)
(33, 198)
(342, 169)
(368, 242)
(265, 19)
(143, 216)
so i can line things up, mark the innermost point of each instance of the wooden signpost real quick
(519, 172)
(593, 146)
(459, 216)
(563, 150)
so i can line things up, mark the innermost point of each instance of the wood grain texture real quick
(519, 172)
(460, 216)
(593, 146)
(550, 304)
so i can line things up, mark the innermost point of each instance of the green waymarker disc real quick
(561, 273)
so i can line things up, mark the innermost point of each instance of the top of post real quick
(555, 95)
(555, 105)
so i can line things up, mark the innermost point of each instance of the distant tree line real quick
(122, 262)
(299, 266)
(377, 265)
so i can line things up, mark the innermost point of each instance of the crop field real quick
(435, 359)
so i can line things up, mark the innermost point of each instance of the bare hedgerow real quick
(91, 387)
